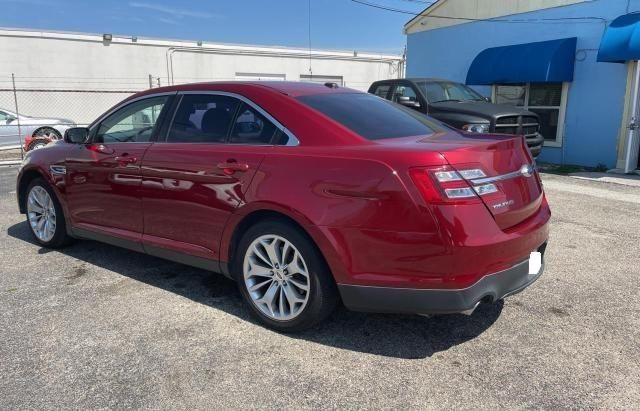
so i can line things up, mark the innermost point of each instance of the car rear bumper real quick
(491, 287)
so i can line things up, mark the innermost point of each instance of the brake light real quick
(446, 185)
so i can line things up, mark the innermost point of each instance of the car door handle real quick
(125, 159)
(231, 167)
(101, 148)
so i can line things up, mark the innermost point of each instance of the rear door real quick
(103, 176)
(198, 176)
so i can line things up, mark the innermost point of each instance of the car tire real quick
(45, 216)
(37, 143)
(283, 277)
(47, 132)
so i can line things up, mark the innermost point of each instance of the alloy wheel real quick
(41, 213)
(276, 277)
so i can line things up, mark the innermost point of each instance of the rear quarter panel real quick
(352, 207)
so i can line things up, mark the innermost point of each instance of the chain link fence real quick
(37, 110)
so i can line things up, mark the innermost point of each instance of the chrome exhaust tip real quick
(470, 310)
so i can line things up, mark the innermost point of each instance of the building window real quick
(547, 100)
(322, 79)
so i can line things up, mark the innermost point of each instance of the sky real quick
(335, 24)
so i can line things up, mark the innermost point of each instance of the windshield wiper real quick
(444, 101)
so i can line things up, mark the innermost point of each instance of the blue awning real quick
(541, 62)
(621, 40)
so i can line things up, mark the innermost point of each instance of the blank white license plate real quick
(535, 263)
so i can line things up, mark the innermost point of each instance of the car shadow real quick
(399, 336)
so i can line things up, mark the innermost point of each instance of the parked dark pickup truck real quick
(461, 107)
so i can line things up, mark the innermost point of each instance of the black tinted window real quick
(251, 127)
(382, 90)
(203, 118)
(369, 116)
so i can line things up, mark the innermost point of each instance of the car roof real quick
(290, 88)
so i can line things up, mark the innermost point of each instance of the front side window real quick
(545, 99)
(203, 118)
(133, 123)
(3, 116)
(405, 92)
(382, 90)
(371, 117)
(251, 127)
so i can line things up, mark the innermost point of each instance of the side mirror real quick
(11, 119)
(487, 99)
(76, 135)
(407, 102)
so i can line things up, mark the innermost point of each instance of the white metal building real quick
(78, 76)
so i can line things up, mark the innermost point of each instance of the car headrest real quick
(216, 121)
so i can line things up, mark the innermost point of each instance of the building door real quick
(633, 137)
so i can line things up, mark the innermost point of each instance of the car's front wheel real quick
(45, 215)
(283, 277)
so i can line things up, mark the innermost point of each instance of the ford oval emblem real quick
(527, 170)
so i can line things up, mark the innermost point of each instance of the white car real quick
(15, 128)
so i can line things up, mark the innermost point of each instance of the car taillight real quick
(446, 185)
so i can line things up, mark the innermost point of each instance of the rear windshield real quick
(369, 116)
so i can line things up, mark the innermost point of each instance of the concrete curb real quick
(10, 162)
(631, 180)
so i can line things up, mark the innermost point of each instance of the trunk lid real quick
(508, 165)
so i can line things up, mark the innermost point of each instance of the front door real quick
(103, 177)
(194, 180)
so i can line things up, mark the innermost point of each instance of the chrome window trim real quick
(502, 177)
(293, 140)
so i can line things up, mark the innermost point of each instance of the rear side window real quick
(371, 117)
(203, 118)
(251, 127)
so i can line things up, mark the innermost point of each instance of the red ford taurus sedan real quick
(305, 194)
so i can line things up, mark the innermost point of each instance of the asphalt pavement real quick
(94, 326)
